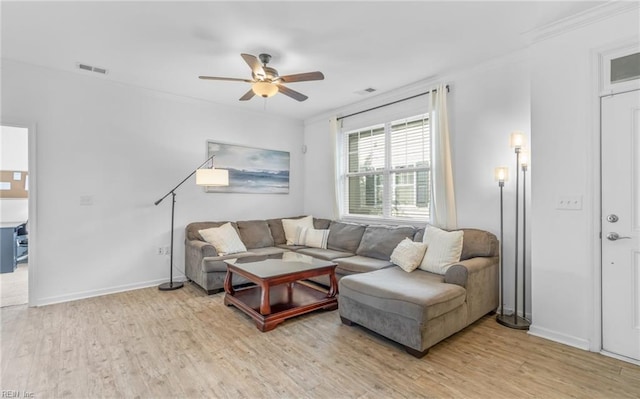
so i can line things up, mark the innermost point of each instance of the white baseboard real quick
(103, 291)
(565, 339)
(620, 357)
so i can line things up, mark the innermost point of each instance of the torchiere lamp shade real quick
(212, 177)
(501, 174)
(517, 139)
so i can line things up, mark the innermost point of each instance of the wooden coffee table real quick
(279, 293)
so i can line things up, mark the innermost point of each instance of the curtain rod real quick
(391, 103)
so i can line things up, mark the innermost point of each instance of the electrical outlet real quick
(159, 251)
(569, 202)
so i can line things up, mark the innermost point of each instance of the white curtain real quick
(443, 203)
(334, 130)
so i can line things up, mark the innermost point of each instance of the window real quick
(388, 170)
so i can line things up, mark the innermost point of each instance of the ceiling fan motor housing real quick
(264, 58)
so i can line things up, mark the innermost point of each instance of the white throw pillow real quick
(290, 227)
(408, 254)
(312, 237)
(443, 249)
(224, 238)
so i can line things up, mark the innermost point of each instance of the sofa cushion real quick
(478, 243)
(419, 295)
(321, 224)
(291, 228)
(326, 254)
(255, 233)
(380, 241)
(359, 264)
(443, 249)
(277, 231)
(315, 238)
(266, 251)
(419, 234)
(216, 263)
(291, 247)
(224, 238)
(345, 236)
(192, 229)
(408, 254)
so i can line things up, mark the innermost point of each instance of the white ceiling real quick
(166, 45)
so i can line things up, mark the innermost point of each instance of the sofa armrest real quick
(479, 276)
(203, 247)
(195, 251)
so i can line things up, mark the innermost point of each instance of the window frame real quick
(388, 172)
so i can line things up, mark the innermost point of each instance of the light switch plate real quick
(569, 203)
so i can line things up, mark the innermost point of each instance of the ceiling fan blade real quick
(302, 77)
(291, 93)
(254, 64)
(228, 79)
(248, 95)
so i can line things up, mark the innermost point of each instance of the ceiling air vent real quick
(90, 68)
(368, 90)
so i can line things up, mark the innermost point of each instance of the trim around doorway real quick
(33, 208)
(599, 89)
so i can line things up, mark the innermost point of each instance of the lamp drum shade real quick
(524, 158)
(212, 177)
(517, 139)
(501, 174)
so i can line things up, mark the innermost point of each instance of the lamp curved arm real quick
(184, 180)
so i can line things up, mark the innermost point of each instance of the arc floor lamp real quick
(204, 177)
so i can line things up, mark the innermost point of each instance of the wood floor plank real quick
(152, 344)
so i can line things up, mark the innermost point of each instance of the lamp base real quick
(170, 286)
(513, 321)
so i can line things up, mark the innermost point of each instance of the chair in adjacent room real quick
(22, 243)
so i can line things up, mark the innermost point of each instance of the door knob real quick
(615, 236)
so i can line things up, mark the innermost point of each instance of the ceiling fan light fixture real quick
(264, 89)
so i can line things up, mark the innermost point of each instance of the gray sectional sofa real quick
(417, 309)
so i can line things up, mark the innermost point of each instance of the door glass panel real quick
(625, 68)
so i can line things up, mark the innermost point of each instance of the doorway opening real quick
(14, 215)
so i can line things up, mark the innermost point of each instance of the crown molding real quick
(584, 18)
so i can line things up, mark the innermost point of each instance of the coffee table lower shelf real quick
(287, 300)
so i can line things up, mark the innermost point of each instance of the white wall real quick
(485, 104)
(565, 152)
(14, 155)
(125, 147)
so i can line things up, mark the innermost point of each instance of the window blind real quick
(388, 170)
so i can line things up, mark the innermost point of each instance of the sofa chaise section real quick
(419, 309)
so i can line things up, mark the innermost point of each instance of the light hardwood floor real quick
(14, 287)
(152, 344)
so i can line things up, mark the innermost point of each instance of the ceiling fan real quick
(266, 82)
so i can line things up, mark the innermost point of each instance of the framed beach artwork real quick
(251, 170)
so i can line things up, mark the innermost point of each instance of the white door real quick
(621, 224)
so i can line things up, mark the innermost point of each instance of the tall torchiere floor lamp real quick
(517, 141)
(501, 175)
(204, 177)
